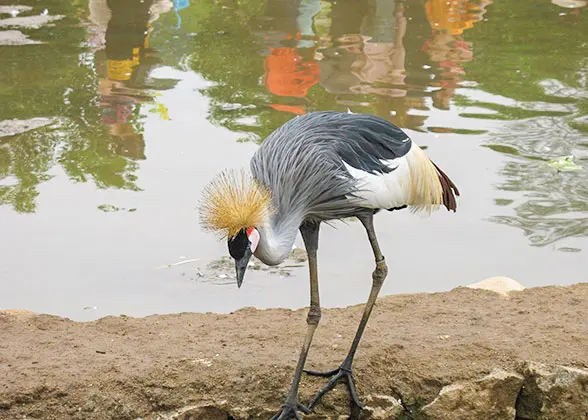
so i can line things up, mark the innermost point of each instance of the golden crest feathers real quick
(232, 201)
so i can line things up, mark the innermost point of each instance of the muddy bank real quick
(472, 345)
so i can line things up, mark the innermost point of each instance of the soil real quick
(242, 363)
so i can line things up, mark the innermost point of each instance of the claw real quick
(304, 409)
(290, 411)
(337, 375)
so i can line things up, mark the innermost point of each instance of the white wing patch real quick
(383, 190)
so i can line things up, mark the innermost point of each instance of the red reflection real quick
(290, 67)
(298, 110)
(287, 73)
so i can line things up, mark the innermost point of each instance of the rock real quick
(500, 285)
(29, 22)
(492, 397)
(15, 38)
(553, 393)
(13, 127)
(11, 10)
(382, 407)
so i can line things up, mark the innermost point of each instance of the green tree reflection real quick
(535, 54)
(60, 80)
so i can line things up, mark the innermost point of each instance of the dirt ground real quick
(129, 368)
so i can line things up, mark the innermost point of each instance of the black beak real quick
(241, 266)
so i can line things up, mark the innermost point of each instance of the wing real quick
(327, 165)
(370, 143)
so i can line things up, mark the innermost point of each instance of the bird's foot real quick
(290, 410)
(337, 375)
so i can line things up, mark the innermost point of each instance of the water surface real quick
(136, 107)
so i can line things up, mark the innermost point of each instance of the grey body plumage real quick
(317, 144)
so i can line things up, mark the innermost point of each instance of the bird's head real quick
(234, 204)
(241, 247)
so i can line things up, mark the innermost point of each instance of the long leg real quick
(289, 410)
(344, 373)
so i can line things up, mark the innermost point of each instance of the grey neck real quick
(276, 239)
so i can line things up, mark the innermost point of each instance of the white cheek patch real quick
(253, 239)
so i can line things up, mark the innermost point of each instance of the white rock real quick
(500, 285)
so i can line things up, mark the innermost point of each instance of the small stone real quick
(383, 407)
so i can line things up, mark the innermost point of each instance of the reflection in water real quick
(510, 76)
(446, 47)
(545, 72)
(367, 58)
(368, 55)
(92, 83)
(355, 51)
(555, 203)
(268, 60)
(290, 67)
(123, 67)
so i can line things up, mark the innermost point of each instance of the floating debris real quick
(177, 263)
(109, 208)
(569, 249)
(215, 271)
(161, 110)
(565, 164)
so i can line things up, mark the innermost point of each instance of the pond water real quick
(115, 114)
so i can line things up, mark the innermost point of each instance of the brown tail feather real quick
(449, 190)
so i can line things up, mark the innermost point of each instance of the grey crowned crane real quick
(315, 168)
